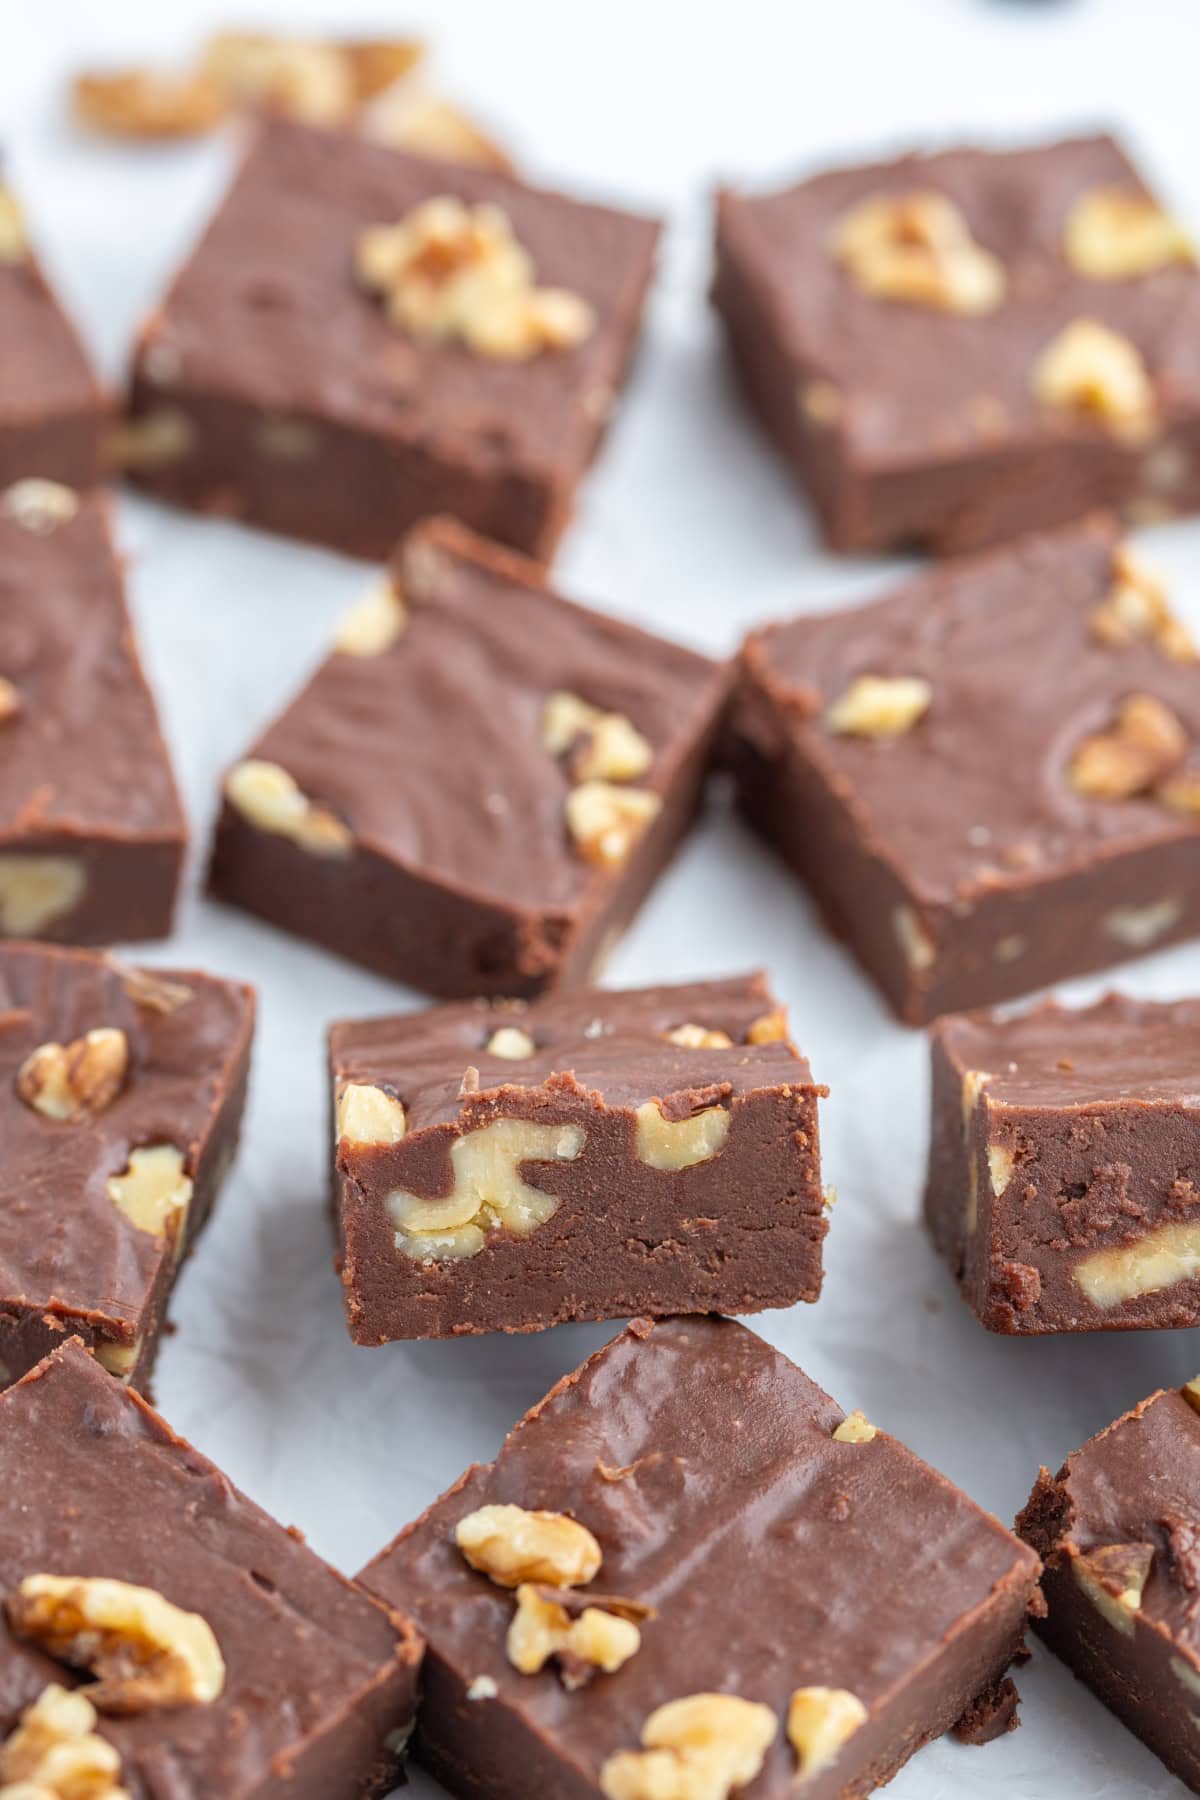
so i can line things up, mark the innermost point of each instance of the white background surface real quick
(688, 527)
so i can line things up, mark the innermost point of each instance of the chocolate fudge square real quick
(365, 338)
(478, 788)
(987, 778)
(1117, 1530)
(1064, 1164)
(161, 1631)
(593, 1156)
(52, 410)
(121, 1097)
(714, 1565)
(92, 834)
(953, 349)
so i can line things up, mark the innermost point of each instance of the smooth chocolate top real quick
(1136, 1483)
(432, 751)
(975, 796)
(44, 372)
(62, 1240)
(704, 1463)
(92, 1482)
(614, 1044)
(1061, 1056)
(913, 378)
(269, 310)
(83, 753)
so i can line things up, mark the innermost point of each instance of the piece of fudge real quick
(1116, 1528)
(597, 1155)
(1064, 1149)
(121, 1097)
(721, 1582)
(478, 788)
(953, 349)
(52, 410)
(988, 778)
(365, 338)
(92, 833)
(160, 1633)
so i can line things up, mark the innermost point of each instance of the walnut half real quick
(512, 1546)
(143, 1651)
(699, 1748)
(63, 1081)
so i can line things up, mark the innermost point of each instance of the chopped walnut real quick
(14, 244)
(880, 706)
(489, 1192)
(1089, 369)
(700, 1748)
(1001, 1162)
(120, 1359)
(1191, 1392)
(56, 1753)
(542, 1628)
(512, 1546)
(674, 1144)
(151, 440)
(604, 746)
(1113, 233)
(153, 1192)
(368, 1115)
(373, 624)
(270, 799)
(819, 1722)
(699, 1037)
(913, 936)
(855, 1428)
(40, 506)
(425, 125)
(769, 1028)
(1144, 745)
(605, 821)
(1160, 1258)
(10, 700)
(37, 891)
(146, 987)
(1137, 927)
(1113, 1577)
(142, 104)
(1137, 609)
(62, 1081)
(143, 1651)
(452, 271)
(511, 1043)
(1181, 794)
(918, 248)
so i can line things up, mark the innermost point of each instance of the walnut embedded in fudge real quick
(918, 247)
(820, 1720)
(14, 244)
(54, 1752)
(511, 1545)
(270, 799)
(1137, 608)
(488, 1193)
(1118, 233)
(40, 506)
(154, 1192)
(373, 623)
(143, 1651)
(62, 1081)
(698, 1748)
(1091, 369)
(451, 270)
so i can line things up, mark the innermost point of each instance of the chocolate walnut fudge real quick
(121, 1097)
(1116, 1528)
(505, 1168)
(364, 338)
(1064, 1165)
(92, 833)
(52, 411)
(160, 1635)
(689, 1573)
(477, 789)
(953, 349)
(990, 778)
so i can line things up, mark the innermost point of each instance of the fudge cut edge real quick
(469, 1746)
(656, 1242)
(411, 926)
(1096, 1618)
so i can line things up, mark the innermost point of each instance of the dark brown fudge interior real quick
(582, 1213)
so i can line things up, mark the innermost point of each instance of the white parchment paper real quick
(687, 527)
